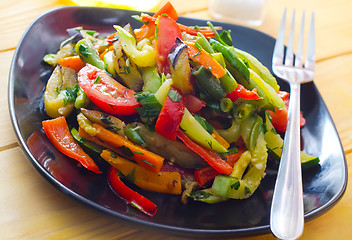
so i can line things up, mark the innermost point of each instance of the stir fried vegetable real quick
(172, 108)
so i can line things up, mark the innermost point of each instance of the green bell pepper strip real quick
(151, 79)
(231, 134)
(209, 83)
(237, 185)
(82, 99)
(207, 196)
(86, 51)
(271, 99)
(143, 55)
(258, 68)
(227, 80)
(230, 55)
(275, 144)
(204, 43)
(197, 133)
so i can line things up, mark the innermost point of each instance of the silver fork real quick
(287, 211)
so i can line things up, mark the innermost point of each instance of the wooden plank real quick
(332, 80)
(6, 128)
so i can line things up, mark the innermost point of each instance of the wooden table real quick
(32, 208)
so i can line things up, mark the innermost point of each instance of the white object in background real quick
(248, 12)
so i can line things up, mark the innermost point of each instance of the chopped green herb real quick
(126, 150)
(113, 129)
(204, 124)
(84, 50)
(200, 195)
(126, 70)
(150, 105)
(156, 32)
(139, 19)
(97, 79)
(236, 185)
(136, 152)
(113, 155)
(174, 96)
(70, 94)
(106, 119)
(150, 164)
(247, 191)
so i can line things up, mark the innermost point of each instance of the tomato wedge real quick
(279, 118)
(105, 92)
(59, 135)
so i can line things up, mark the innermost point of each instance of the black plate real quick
(323, 186)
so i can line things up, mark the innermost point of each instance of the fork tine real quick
(278, 54)
(289, 50)
(299, 53)
(310, 59)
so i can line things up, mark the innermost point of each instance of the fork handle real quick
(287, 211)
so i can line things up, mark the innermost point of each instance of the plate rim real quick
(249, 231)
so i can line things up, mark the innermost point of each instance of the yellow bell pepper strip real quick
(143, 157)
(239, 185)
(164, 182)
(271, 99)
(142, 56)
(194, 130)
(205, 59)
(258, 68)
(211, 157)
(59, 134)
(129, 196)
(171, 114)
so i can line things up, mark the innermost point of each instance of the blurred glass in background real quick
(247, 12)
(140, 5)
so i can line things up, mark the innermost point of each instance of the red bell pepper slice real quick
(131, 197)
(167, 31)
(171, 114)
(207, 174)
(242, 92)
(59, 134)
(194, 104)
(105, 92)
(211, 157)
